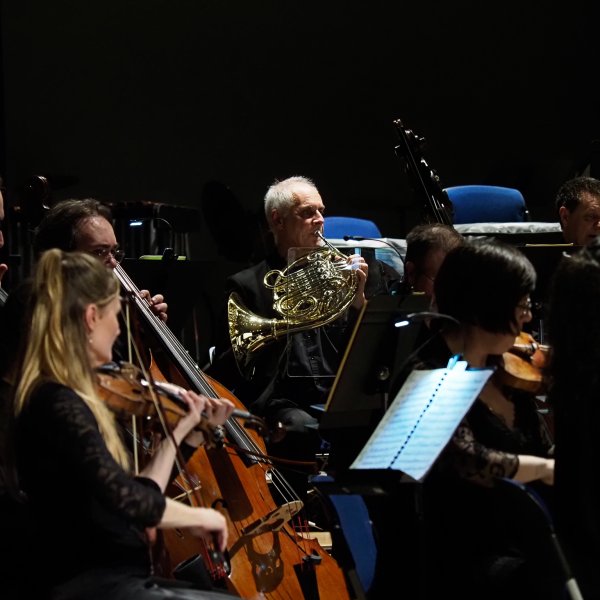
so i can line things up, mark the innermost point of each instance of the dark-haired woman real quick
(472, 539)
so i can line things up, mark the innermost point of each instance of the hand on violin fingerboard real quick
(157, 304)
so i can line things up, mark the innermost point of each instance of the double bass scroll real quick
(437, 207)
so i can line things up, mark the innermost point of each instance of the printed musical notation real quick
(421, 419)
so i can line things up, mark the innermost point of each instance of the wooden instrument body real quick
(269, 552)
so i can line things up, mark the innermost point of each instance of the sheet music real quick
(421, 419)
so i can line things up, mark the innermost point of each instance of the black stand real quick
(359, 395)
(545, 258)
(357, 400)
(363, 545)
(402, 449)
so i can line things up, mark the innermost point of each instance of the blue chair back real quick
(354, 545)
(338, 227)
(487, 204)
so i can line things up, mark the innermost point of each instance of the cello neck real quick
(168, 341)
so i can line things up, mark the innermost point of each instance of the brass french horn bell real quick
(310, 292)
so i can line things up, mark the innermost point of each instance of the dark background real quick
(148, 100)
(164, 101)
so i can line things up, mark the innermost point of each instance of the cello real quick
(271, 552)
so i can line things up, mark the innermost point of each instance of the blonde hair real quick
(65, 284)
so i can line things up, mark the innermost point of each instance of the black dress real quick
(82, 501)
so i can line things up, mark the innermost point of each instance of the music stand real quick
(359, 395)
(403, 447)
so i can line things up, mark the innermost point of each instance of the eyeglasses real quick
(103, 253)
(526, 306)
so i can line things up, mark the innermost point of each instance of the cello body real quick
(270, 551)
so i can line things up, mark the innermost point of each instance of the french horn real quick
(312, 291)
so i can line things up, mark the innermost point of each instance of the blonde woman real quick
(69, 455)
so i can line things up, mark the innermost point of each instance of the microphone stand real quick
(415, 318)
(360, 238)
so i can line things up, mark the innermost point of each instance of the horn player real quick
(294, 372)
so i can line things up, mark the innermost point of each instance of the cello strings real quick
(195, 375)
(216, 569)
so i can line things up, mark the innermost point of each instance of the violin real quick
(523, 366)
(126, 392)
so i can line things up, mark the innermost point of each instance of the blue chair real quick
(354, 545)
(338, 227)
(487, 204)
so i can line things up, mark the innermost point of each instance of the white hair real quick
(281, 195)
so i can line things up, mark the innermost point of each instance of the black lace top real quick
(80, 497)
(484, 446)
(475, 535)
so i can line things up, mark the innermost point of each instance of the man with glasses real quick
(73, 224)
(85, 225)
